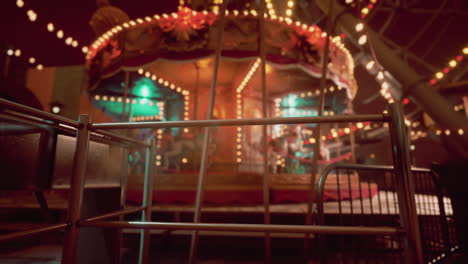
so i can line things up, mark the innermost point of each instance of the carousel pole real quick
(125, 95)
(266, 178)
(206, 138)
(352, 142)
(317, 132)
(197, 86)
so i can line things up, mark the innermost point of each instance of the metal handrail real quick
(256, 228)
(17, 112)
(19, 234)
(38, 113)
(243, 122)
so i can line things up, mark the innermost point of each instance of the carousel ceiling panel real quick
(184, 74)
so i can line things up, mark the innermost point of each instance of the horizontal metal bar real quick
(112, 214)
(336, 230)
(375, 167)
(37, 113)
(243, 122)
(121, 138)
(36, 231)
(69, 131)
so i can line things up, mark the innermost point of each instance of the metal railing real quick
(409, 229)
(367, 195)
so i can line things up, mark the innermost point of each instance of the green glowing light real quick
(145, 91)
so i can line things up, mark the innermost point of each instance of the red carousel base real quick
(246, 189)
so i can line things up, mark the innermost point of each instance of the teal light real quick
(145, 91)
(292, 100)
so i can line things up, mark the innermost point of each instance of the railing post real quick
(143, 257)
(76, 190)
(405, 184)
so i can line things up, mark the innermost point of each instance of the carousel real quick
(161, 68)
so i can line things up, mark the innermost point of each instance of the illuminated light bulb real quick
(439, 75)
(324, 138)
(74, 43)
(412, 147)
(60, 34)
(119, 99)
(56, 109)
(385, 85)
(166, 83)
(50, 27)
(178, 89)
(312, 140)
(32, 15)
(158, 163)
(359, 27)
(125, 25)
(380, 76)
(271, 12)
(269, 5)
(19, 3)
(97, 97)
(134, 101)
(140, 21)
(460, 132)
(147, 74)
(359, 125)
(84, 49)
(288, 12)
(154, 77)
(370, 65)
(465, 50)
(69, 41)
(347, 130)
(365, 11)
(447, 132)
(332, 89)
(132, 23)
(141, 71)
(112, 99)
(10, 52)
(17, 52)
(239, 160)
(184, 160)
(348, 1)
(362, 40)
(104, 98)
(32, 60)
(452, 63)
(160, 80)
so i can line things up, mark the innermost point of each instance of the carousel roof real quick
(156, 42)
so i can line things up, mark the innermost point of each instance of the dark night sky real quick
(72, 16)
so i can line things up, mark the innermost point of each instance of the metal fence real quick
(375, 203)
(407, 229)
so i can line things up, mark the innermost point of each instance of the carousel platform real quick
(240, 188)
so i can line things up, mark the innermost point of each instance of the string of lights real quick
(69, 40)
(172, 86)
(289, 9)
(451, 65)
(239, 109)
(32, 60)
